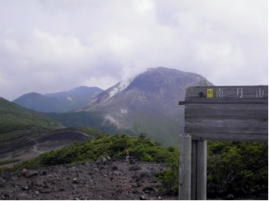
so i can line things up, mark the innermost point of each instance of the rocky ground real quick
(104, 179)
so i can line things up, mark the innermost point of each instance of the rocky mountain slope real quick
(29, 144)
(58, 102)
(25, 134)
(148, 103)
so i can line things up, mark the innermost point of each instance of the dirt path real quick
(105, 179)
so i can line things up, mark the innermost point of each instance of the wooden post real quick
(194, 169)
(185, 168)
(199, 167)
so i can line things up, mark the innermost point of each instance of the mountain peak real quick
(158, 78)
(148, 102)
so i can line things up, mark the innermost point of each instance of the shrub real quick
(239, 170)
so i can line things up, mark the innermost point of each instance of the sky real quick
(49, 46)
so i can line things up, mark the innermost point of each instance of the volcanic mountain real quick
(148, 103)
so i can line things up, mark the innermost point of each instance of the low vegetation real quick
(237, 170)
(141, 148)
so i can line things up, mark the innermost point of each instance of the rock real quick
(116, 173)
(101, 160)
(114, 167)
(135, 192)
(75, 181)
(25, 188)
(230, 197)
(30, 173)
(24, 170)
(108, 158)
(135, 168)
(96, 169)
(61, 189)
(45, 190)
(42, 172)
(149, 189)
(40, 183)
(135, 176)
(119, 191)
(145, 174)
(104, 159)
(142, 197)
(135, 185)
(101, 166)
(132, 161)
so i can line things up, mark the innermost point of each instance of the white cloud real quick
(48, 45)
(102, 82)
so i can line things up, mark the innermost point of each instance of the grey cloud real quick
(49, 45)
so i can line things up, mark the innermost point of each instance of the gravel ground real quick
(104, 179)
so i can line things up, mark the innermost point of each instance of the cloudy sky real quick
(48, 45)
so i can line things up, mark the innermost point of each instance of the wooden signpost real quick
(237, 113)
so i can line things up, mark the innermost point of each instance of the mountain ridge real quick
(63, 101)
(14, 117)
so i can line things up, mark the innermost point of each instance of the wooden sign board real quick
(221, 113)
(227, 112)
